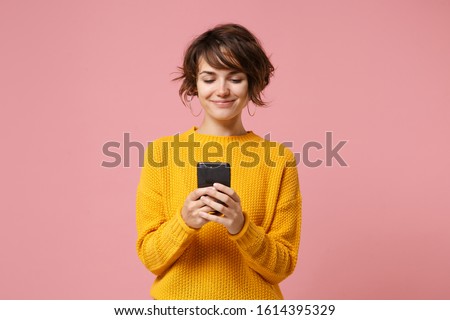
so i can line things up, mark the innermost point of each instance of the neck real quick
(222, 128)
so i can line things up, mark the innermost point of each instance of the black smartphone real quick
(210, 172)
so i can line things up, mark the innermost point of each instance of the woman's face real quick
(223, 93)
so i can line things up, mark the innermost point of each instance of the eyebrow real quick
(213, 73)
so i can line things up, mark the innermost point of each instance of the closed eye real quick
(232, 80)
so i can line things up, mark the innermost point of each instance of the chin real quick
(223, 117)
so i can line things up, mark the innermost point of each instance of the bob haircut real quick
(227, 46)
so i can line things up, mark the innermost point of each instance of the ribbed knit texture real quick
(210, 263)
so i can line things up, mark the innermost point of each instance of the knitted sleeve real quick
(273, 253)
(161, 241)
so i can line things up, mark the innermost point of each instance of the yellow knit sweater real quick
(210, 263)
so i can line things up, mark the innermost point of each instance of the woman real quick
(246, 250)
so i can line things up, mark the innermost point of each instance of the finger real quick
(194, 205)
(211, 217)
(214, 193)
(227, 190)
(206, 208)
(214, 204)
(197, 193)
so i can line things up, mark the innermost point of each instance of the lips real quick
(222, 101)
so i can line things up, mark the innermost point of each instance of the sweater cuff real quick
(249, 234)
(180, 226)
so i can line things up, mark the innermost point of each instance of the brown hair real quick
(227, 46)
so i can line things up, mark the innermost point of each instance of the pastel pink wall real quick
(75, 75)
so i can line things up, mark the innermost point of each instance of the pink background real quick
(75, 75)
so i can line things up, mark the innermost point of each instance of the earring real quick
(190, 107)
(248, 110)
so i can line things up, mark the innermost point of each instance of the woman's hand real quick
(232, 217)
(192, 206)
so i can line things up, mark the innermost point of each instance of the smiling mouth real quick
(225, 101)
(224, 104)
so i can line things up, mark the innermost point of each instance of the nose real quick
(223, 89)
